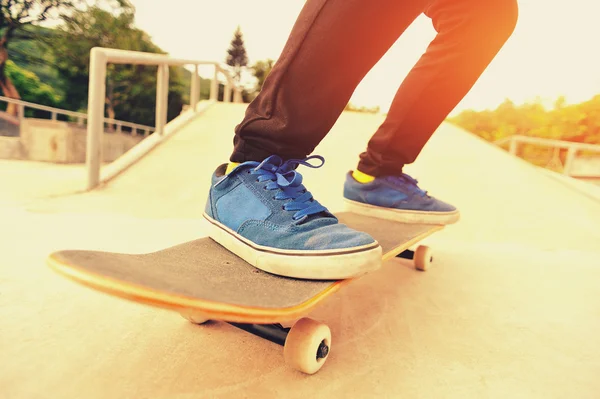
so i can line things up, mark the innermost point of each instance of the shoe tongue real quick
(396, 180)
(403, 179)
(410, 179)
(406, 180)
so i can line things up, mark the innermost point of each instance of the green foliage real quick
(57, 62)
(261, 70)
(16, 14)
(577, 122)
(18, 22)
(131, 89)
(31, 88)
(352, 108)
(34, 57)
(20, 19)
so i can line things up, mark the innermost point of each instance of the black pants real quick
(333, 45)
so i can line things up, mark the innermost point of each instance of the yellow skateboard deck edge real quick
(211, 310)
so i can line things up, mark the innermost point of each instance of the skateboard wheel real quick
(307, 345)
(194, 318)
(423, 257)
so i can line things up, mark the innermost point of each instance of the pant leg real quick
(470, 33)
(332, 46)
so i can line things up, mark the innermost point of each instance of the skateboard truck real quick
(422, 257)
(278, 334)
(306, 344)
(273, 332)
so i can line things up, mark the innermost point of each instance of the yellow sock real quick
(230, 167)
(362, 177)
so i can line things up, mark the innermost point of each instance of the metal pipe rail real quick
(571, 147)
(101, 57)
(80, 116)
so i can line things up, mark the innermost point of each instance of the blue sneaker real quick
(396, 198)
(262, 213)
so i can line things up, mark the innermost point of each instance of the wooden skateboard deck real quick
(201, 277)
(204, 281)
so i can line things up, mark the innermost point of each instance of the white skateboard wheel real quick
(307, 345)
(194, 318)
(423, 257)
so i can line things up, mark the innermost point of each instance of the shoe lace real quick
(408, 182)
(284, 178)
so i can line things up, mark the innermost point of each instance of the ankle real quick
(231, 166)
(362, 177)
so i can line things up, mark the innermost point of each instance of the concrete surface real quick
(586, 167)
(11, 148)
(589, 188)
(510, 307)
(22, 182)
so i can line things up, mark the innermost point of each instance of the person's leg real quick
(332, 46)
(470, 34)
(258, 207)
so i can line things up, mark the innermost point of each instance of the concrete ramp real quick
(172, 181)
(510, 307)
(502, 198)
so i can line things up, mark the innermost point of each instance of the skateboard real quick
(203, 281)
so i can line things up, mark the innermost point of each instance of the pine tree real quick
(237, 57)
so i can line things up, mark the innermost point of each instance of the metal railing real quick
(101, 57)
(573, 148)
(79, 117)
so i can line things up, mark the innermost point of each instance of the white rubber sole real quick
(400, 215)
(335, 264)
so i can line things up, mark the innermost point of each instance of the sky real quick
(553, 51)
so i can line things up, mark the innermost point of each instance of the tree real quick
(96, 27)
(352, 108)
(261, 70)
(236, 54)
(15, 18)
(34, 56)
(30, 87)
(575, 122)
(130, 89)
